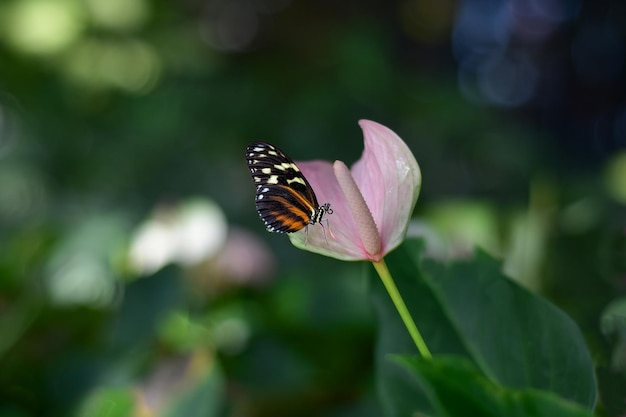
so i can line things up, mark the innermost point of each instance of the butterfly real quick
(285, 200)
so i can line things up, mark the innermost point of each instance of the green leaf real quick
(108, 402)
(469, 309)
(457, 387)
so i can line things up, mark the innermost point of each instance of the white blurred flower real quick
(186, 234)
(194, 234)
(151, 248)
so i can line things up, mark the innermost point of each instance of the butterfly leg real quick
(330, 231)
(324, 229)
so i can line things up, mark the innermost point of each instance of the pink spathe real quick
(388, 179)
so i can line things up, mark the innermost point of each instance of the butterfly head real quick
(319, 213)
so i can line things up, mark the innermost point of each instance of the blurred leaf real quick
(202, 397)
(614, 175)
(185, 385)
(612, 380)
(456, 387)
(182, 332)
(16, 320)
(613, 324)
(108, 402)
(465, 224)
(612, 387)
(470, 309)
(146, 303)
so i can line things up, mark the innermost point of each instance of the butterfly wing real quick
(285, 200)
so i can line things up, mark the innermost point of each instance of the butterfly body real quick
(284, 200)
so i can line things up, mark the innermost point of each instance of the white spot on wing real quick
(296, 179)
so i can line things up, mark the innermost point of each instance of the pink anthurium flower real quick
(371, 208)
(372, 202)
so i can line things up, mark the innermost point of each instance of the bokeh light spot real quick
(118, 14)
(22, 194)
(245, 258)
(129, 65)
(615, 177)
(80, 269)
(81, 279)
(507, 80)
(231, 334)
(43, 26)
(465, 224)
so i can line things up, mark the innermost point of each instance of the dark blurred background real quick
(135, 275)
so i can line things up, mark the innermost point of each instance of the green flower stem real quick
(385, 276)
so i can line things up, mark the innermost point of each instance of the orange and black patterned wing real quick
(285, 200)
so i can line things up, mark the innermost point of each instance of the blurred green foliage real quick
(117, 113)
